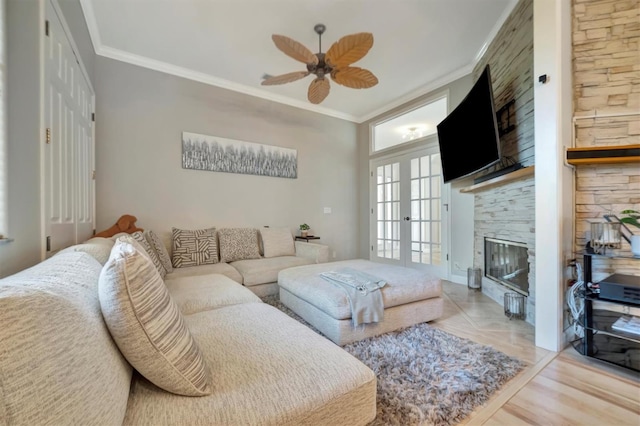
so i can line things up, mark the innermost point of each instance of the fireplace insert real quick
(507, 262)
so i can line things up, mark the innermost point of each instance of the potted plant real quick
(304, 230)
(632, 217)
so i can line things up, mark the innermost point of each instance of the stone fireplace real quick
(507, 213)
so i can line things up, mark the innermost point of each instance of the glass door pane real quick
(388, 211)
(426, 205)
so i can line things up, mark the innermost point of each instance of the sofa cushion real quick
(58, 362)
(161, 250)
(218, 268)
(150, 251)
(238, 244)
(100, 251)
(276, 372)
(277, 242)
(262, 271)
(194, 247)
(147, 324)
(205, 292)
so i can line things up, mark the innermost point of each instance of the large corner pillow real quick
(160, 249)
(151, 252)
(238, 244)
(194, 247)
(147, 325)
(277, 242)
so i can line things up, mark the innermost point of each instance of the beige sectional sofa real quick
(59, 363)
(259, 274)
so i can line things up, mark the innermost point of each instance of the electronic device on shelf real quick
(468, 136)
(621, 288)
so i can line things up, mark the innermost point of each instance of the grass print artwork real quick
(202, 152)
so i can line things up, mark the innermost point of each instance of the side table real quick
(307, 238)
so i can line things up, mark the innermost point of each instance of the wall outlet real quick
(327, 210)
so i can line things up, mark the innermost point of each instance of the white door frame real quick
(429, 144)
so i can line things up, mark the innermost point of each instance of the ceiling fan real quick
(336, 63)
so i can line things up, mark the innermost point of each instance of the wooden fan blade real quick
(294, 49)
(354, 77)
(349, 49)
(284, 78)
(318, 90)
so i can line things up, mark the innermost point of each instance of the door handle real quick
(407, 218)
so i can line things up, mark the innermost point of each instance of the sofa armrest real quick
(318, 253)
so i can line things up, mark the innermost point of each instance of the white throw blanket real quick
(363, 292)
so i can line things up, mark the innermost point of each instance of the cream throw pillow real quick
(238, 244)
(277, 242)
(151, 252)
(147, 325)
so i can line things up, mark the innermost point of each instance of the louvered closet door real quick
(69, 153)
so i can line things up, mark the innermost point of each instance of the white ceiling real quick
(418, 44)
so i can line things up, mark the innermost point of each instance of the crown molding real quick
(167, 68)
(496, 28)
(423, 90)
(205, 78)
(92, 24)
(459, 73)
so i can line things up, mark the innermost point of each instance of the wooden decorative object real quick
(604, 154)
(500, 180)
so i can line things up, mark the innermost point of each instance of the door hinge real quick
(46, 28)
(371, 211)
(48, 135)
(48, 243)
(94, 232)
(447, 257)
(371, 174)
(371, 248)
(446, 206)
(93, 116)
(93, 175)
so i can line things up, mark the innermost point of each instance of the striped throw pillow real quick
(160, 249)
(194, 247)
(147, 325)
(150, 251)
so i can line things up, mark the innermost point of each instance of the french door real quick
(409, 211)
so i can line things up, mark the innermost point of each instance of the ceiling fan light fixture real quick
(334, 63)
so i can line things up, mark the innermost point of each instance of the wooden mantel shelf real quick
(500, 180)
(604, 154)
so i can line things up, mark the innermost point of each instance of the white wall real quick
(140, 115)
(553, 180)
(23, 119)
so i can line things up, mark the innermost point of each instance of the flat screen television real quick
(468, 137)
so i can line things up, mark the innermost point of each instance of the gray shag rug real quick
(427, 376)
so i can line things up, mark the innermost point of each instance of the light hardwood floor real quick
(555, 389)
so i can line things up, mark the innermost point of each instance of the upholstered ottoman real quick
(410, 297)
